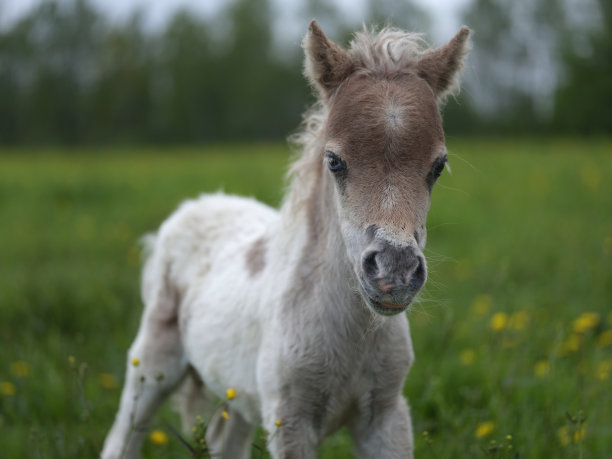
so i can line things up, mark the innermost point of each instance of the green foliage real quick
(68, 76)
(513, 334)
(584, 100)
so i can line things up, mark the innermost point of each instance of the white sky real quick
(444, 12)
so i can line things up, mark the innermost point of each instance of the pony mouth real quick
(384, 308)
(387, 309)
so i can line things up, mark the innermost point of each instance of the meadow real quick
(512, 333)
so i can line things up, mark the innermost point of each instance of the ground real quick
(513, 333)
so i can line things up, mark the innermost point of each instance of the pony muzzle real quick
(391, 276)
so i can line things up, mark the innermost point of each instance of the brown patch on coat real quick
(256, 256)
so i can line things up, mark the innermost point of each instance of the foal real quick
(300, 311)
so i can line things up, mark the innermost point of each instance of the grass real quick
(512, 334)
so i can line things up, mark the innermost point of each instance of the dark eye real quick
(334, 162)
(438, 167)
(436, 171)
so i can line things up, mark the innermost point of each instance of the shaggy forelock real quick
(390, 50)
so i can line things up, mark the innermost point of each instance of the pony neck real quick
(323, 270)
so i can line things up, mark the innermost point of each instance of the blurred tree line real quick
(70, 76)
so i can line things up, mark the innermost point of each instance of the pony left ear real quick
(326, 63)
(440, 67)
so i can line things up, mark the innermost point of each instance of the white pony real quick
(299, 311)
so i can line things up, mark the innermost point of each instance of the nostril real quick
(418, 276)
(370, 266)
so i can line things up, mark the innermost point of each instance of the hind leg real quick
(191, 401)
(156, 364)
(230, 436)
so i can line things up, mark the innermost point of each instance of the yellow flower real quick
(571, 344)
(499, 321)
(135, 361)
(585, 322)
(482, 304)
(518, 320)
(225, 415)
(278, 423)
(7, 388)
(20, 369)
(484, 429)
(467, 357)
(579, 434)
(107, 380)
(605, 339)
(71, 360)
(158, 437)
(541, 368)
(603, 370)
(230, 393)
(563, 435)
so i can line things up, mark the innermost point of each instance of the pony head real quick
(382, 146)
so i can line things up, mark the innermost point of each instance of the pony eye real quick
(334, 162)
(438, 168)
(436, 171)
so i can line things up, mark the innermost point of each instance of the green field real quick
(513, 332)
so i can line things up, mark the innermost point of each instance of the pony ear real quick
(440, 67)
(326, 63)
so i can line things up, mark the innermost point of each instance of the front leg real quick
(385, 433)
(292, 431)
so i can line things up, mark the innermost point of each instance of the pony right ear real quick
(326, 63)
(440, 67)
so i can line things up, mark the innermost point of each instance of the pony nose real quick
(394, 270)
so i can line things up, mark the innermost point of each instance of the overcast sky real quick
(444, 12)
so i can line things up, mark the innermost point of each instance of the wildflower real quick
(71, 360)
(158, 437)
(518, 320)
(579, 434)
(230, 393)
(541, 368)
(278, 423)
(605, 339)
(135, 361)
(20, 369)
(107, 380)
(508, 438)
(467, 357)
(7, 388)
(571, 344)
(225, 415)
(563, 435)
(499, 321)
(484, 428)
(482, 304)
(585, 322)
(603, 370)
